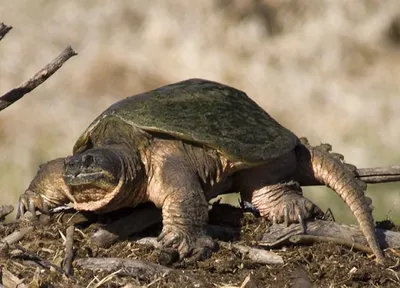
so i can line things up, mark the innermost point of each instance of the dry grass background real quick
(328, 70)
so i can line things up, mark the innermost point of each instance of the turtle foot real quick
(31, 201)
(284, 203)
(294, 209)
(190, 245)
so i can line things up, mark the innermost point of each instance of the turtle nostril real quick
(87, 160)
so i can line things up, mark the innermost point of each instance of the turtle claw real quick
(32, 202)
(176, 237)
(294, 209)
(192, 246)
(286, 215)
(302, 224)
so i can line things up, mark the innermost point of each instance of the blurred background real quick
(328, 70)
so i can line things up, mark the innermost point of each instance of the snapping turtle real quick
(180, 145)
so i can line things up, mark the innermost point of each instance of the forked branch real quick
(41, 76)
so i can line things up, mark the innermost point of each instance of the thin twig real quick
(69, 251)
(257, 255)
(4, 29)
(41, 76)
(43, 262)
(310, 239)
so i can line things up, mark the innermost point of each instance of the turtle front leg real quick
(185, 215)
(47, 190)
(184, 211)
(284, 203)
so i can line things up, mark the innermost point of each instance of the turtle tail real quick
(328, 168)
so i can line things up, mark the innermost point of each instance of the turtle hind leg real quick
(284, 203)
(319, 164)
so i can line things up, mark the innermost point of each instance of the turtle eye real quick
(87, 160)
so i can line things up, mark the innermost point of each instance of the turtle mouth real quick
(100, 180)
(83, 179)
(90, 187)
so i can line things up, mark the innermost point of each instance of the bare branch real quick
(4, 29)
(279, 234)
(41, 76)
(379, 174)
(69, 251)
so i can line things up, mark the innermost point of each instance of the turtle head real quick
(95, 178)
(101, 168)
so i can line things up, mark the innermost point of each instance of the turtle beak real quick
(88, 168)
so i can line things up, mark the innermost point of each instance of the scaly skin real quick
(329, 170)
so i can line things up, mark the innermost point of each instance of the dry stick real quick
(257, 255)
(16, 235)
(69, 251)
(127, 267)
(4, 29)
(11, 239)
(349, 235)
(41, 76)
(310, 239)
(379, 174)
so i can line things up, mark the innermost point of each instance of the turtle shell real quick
(205, 113)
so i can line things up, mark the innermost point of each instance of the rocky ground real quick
(37, 258)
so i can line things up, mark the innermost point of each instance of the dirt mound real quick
(37, 258)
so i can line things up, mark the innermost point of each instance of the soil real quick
(319, 265)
